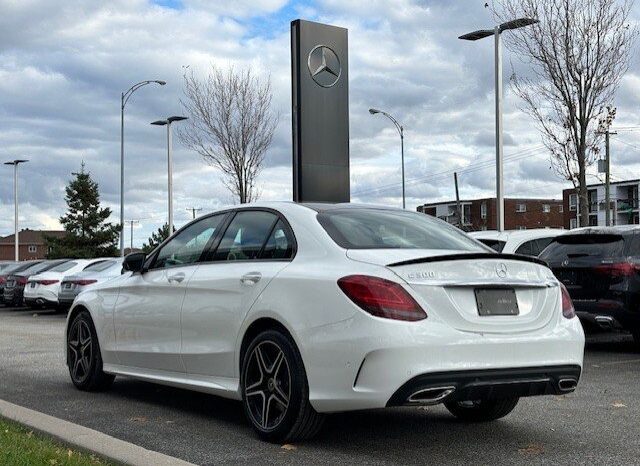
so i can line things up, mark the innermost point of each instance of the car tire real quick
(83, 355)
(481, 410)
(273, 379)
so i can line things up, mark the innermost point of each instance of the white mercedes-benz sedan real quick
(299, 310)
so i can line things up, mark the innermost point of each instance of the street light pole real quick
(496, 32)
(15, 164)
(124, 98)
(499, 141)
(400, 129)
(167, 123)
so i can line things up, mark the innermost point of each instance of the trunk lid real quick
(447, 282)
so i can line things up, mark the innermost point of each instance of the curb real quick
(87, 439)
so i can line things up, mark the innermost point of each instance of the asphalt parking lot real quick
(599, 424)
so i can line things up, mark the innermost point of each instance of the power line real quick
(193, 210)
(446, 174)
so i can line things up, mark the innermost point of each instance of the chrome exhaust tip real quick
(430, 396)
(567, 385)
(605, 322)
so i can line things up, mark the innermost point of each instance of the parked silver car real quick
(99, 272)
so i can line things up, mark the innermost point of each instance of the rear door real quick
(256, 245)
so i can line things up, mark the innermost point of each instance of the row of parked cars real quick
(52, 283)
(599, 266)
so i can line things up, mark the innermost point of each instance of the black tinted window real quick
(527, 248)
(584, 245)
(494, 244)
(392, 229)
(187, 246)
(280, 243)
(245, 236)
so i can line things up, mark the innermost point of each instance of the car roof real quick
(518, 235)
(602, 230)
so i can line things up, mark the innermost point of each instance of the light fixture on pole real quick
(400, 129)
(15, 164)
(496, 32)
(168, 122)
(124, 98)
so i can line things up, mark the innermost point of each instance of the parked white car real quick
(305, 309)
(98, 272)
(525, 242)
(42, 290)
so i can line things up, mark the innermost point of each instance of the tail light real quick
(46, 282)
(83, 282)
(381, 298)
(3, 280)
(567, 305)
(617, 269)
(21, 280)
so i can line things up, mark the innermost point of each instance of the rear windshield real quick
(36, 268)
(63, 267)
(494, 244)
(390, 229)
(587, 246)
(100, 266)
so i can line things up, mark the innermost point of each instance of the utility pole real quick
(132, 222)
(455, 180)
(193, 211)
(16, 233)
(605, 125)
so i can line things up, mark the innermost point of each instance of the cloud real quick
(64, 65)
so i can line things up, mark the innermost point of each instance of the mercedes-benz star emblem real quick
(324, 66)
(501, 270)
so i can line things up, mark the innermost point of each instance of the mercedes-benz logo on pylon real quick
(501, 270)
(324, 66)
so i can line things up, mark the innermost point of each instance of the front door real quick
(147, 313)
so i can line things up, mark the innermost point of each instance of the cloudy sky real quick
(64, 64)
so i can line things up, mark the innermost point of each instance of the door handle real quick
(250, 278)
(178, 277)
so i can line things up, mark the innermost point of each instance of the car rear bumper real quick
(32, 302)
(608, 314)
(362, 363)
(434, 388)
(13, 296)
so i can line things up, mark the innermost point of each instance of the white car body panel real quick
(515, 238)
(189, 334)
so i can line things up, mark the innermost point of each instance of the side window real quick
(187, 246)
(280, 243)
(634, 245)
(245, 236)
(527, 248)
(541, 244)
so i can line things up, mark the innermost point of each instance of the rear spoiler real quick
(473, 255)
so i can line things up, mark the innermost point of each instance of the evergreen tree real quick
(88, 232)
(156, 238)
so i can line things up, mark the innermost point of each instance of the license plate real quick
(67, 286)
(496, 302)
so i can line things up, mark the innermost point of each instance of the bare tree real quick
(579, 51)
(230, 125)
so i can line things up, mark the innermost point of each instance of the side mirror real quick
(134, 262)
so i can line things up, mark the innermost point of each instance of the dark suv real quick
(600, 267)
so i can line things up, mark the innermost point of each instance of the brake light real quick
(618, 269)
(83, 282)
(3, 280)
(21, 280)
(568, 310)
(381, 298)
(46, 282)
